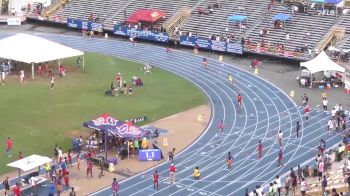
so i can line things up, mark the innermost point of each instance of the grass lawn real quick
(37, 118)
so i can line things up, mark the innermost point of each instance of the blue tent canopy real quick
(281, 17)
(333, 1)
(237, 18)
(317, 1)
(103, 123)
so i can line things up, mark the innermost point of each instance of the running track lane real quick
(266, 111)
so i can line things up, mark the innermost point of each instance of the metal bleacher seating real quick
(345, 22)
(117, 11)
(216, 23)
(297, 27)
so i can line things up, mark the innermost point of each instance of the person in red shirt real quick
(168, 50)
(40, 70)
(9, 144)
(117, 77)
(280, 159)
(307, 112)
(239, 99)
(172, 176)
(17, 190)
(66, 180)
(155, 180)
(260, 150)
(70, 163)
(47, 69)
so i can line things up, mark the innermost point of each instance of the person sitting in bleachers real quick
(202, 11)
(217, 4)
(91, 17)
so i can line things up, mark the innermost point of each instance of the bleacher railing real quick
(54, 7)
(334, 35)
(176, 19)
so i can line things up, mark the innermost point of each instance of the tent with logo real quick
(146, 16)
(111, 126)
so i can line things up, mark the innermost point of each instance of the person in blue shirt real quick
(64, 168)
(52, 189)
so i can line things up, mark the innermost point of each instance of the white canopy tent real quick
(322, 63)
(29, 163)
(32, 49)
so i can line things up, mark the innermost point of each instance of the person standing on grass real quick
(52, 82)
(239, 100)
(47, 69)
(115, 187)
(280, 158)
(229, 161)
(221, 126)
(40, 71)
(9, 145)
(297, 129)
(260, 150)
(280, 138)
(78, 63)
(155, 180)
(21, 77)
(72, 192)
(325, 103)
(172, 175)
(6, 184)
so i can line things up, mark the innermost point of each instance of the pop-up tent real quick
(32, 49)
(322, 63)
(111, 126)
(145, 15)
(28, 163)
(281, 17)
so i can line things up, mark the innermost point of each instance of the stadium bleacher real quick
(216, 23)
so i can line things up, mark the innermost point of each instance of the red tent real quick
(144, 15)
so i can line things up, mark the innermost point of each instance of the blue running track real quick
(266, 110)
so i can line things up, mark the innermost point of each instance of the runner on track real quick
(260, 150)
(221, 126)
(155, 180)
(229, 161)
(205, 63)
(239, 100)
(230, 79)
(280, 138)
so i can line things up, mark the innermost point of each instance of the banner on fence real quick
(79, 24)
(212, 44)
(141, 34)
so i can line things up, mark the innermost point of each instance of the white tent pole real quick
(33, 71)
(59, 64)
(83, 61)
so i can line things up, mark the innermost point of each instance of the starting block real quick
(165, 141)
(200, 118)
(291, 94)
